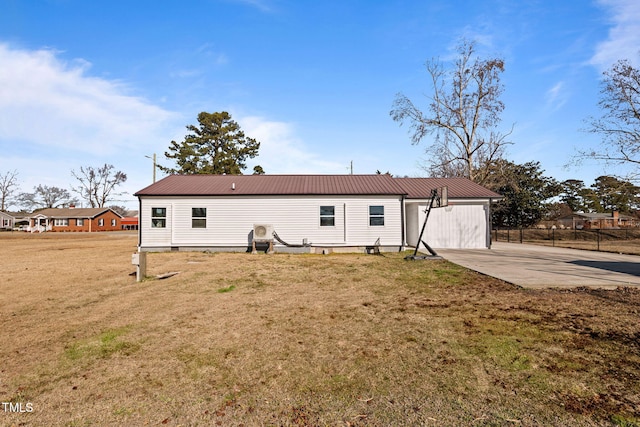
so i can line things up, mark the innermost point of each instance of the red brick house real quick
(75, 219)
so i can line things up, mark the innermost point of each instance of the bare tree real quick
(119, 209)
(619, 124)
(8, 185)
(44, 196)
(463, 113)
(98, 185)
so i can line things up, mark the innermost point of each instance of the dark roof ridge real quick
(312, 184)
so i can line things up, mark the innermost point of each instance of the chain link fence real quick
(622, 240)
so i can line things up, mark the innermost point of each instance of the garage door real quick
(457, 227)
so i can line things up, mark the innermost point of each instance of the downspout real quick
(139, 223)
(489, 222)
(403, 222)
(344, 228)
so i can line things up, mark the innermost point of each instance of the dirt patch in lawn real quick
(240, 339)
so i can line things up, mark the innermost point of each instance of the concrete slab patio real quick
(532, 266)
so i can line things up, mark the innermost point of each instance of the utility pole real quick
(154, 166)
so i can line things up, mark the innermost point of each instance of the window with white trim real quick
(198, 217)
(61, 222)
(158, 217)
(376, 215)
(79, 222)
(101, 222)
(113, 222)
(327, 216)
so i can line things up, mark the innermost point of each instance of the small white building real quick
(7, 221)
(310, 212)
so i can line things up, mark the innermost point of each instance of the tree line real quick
(462, 119)
(530, 197)
(95, 186)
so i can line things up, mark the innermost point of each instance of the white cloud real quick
(55, 117)
(262, 5)
(282, 152)
(624, 36)
(50, 103)
(556, 97)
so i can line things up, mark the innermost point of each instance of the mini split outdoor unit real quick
(262, 232)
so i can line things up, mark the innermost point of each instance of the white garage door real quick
(457, 227)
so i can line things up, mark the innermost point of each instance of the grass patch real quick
(227, 289)
(104, 345)
(305, 340)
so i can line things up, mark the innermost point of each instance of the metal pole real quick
(424, 225)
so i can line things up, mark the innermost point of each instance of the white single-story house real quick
(7, 221)
(310, 212)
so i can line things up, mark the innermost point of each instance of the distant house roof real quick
(254, 185)
(129, 220)
(593, 216)
(73, 212)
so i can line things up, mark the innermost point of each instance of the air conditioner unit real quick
(262, 232)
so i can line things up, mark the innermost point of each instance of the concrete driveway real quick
(532, 266)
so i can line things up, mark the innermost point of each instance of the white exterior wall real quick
(461, 225)
(230, 220)
(6, 221)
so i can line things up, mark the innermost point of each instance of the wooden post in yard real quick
(139, 259)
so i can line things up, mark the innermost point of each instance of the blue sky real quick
(84, 83)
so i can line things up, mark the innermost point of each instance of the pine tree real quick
(216, 146)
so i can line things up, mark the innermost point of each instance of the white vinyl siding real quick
(295, 218)
(6, 220)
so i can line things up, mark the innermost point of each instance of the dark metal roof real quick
(243, 185)
(458, 188)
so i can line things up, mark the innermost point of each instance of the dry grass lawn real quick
(297, 340)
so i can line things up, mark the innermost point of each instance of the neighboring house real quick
(75, 219)
(130, 220)
(219, 212)
(20, 220)
(588, 221)
(7, 221)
